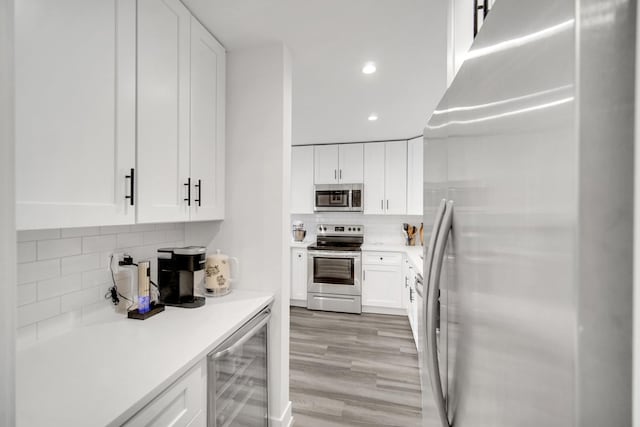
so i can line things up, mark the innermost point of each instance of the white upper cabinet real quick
(75, 112)
(351, 163)
(414, 176)
(338, 164)
(374, 200)
(163, 111)
(120, 114)
(302, 180)
(207, 125)
(326, 164)
(395, 178)
(385, 178)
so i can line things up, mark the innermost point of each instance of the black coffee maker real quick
(176, 268)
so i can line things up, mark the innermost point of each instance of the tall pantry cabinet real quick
(119, 114)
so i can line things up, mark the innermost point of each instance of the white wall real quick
(256, 225)
(7, 220)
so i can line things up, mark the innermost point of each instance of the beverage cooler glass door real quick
(237, 383)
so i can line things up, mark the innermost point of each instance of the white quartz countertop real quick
(302, 244)
(102, 374)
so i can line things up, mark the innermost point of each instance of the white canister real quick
(217, 274)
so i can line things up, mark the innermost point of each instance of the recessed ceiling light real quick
(369, 68)
(373, 117)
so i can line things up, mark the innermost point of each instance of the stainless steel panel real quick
(506, 132)
(331, 302)
(606, 54)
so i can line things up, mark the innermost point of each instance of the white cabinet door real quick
(75, 112)
(414, 176)
(299, 274)
(405, 285)
(302, 180)
(374, 178)
(381, 286)
(395, 178)
(182, 404)
(163, 110)
(351, 163)
(326, 164)
(207, 125)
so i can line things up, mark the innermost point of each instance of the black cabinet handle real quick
(188, 199)
(132, 185)
(199, 187)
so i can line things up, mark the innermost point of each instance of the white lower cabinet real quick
(299, 277)
(182, 404)
(382, 280)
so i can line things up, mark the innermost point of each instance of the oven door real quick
(334, 272)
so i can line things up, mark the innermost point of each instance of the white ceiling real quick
(330, 40)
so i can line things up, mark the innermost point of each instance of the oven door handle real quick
(334, 254)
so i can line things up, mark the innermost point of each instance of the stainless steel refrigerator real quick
(528, 198)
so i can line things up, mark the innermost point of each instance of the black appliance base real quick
(197, 302)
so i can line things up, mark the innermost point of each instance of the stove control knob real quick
(349, 228)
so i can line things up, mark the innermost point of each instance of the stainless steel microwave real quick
(338, 198)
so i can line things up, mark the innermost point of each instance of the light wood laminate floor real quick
(353, 370)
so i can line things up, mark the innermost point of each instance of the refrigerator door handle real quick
(433, 290)
(428, 261)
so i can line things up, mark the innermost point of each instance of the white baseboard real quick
(384, 310)
(285, 420)
(298, 303)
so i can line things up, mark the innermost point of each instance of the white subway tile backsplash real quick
(115, 229)
(39, 270)
(79, 232)
(31, 235)
(26, 252)
(154, 237)
(32, 313)
(143, 227)
(59, 325)
(96, 278)
(127, 240)
(98, 243)
(25, 336)
(165, 226)
(76, 300)
(173, 235)
(59, 286)
(63, 275)
(48, 249)
(27, 294)
(80, 263)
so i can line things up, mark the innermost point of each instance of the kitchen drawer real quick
(181, 404)
(382, 258)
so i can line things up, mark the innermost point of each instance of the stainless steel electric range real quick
(335, 269)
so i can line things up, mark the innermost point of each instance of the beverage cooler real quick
(237, 377)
